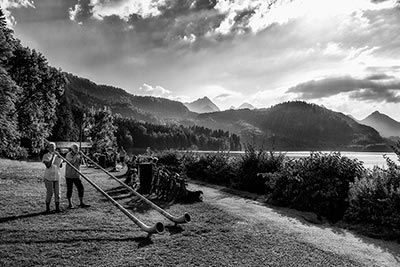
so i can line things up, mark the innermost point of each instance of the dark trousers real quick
(78, 184)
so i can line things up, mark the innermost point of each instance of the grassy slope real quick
(103, 236)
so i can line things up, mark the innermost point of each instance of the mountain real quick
(202, 105)
(246, 105)
(286, 126)
(296, 126)
(147, 108)
(384, 124)
(352, 117)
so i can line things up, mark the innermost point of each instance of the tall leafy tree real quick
(41, 86)
(9, 134)
(67, 125)
(101, 128)
(7, 41)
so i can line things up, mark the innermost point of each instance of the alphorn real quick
(157, 228)
(185, 218)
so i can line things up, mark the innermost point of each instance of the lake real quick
(370, 159)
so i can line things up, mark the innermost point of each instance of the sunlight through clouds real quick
(232, 51)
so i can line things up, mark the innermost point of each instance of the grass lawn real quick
(102, 236)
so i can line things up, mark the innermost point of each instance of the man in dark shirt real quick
(73, 177)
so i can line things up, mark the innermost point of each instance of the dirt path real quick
(361, 249)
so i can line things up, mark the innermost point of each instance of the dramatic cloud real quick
(362, 89)
(380, 76)
(232, 51)
(8, 5)
(81, 11)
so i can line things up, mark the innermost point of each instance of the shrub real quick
(219, 168)
(317, 183)
(254, 162)
(375, 200)
(172, 160)
(15, 152)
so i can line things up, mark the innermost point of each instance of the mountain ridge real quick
(384, 124)
(202, 105)
(286, 126)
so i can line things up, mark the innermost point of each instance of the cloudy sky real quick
(342, 54)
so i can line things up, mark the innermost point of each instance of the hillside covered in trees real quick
(287, 126)
(297, 126)
(146, 108)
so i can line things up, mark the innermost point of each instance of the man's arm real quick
(73, 158)
(48, 161)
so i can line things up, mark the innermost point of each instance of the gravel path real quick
(338, 247)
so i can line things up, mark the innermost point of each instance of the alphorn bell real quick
(157, 228)
(185, 218)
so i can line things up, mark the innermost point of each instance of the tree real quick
(67, 127)
(101, 128)
(41, 86)
(9, 135)
(7, 41)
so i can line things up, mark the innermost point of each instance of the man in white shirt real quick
(52, 176)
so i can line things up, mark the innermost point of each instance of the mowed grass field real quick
(102, 236)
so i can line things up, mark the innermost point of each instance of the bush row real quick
(331, 185)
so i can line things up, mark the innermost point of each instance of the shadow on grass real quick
(141, 241)
(174, 229)
(29, 215)
(135, 203)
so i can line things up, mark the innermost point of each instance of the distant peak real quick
(376, 113)
(202, 105)
(246, 105)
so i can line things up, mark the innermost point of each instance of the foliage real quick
(375, 198)
(218, 168)
(133, 133)
(69, 120)
(318, 183)
(254, 162)
(171, 160)
(9, 135)
(37, 90)
(101, 129)
(6, 40)
(36, 106)
(238, 172)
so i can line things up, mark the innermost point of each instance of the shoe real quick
(47, 208)
(58, 207)
(71, 206)
(83, 205)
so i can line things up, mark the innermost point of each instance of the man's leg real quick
(57, 195)
(81, 191)
(70, 183)
(49, 194)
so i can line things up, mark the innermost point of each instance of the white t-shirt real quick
(54, 172)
